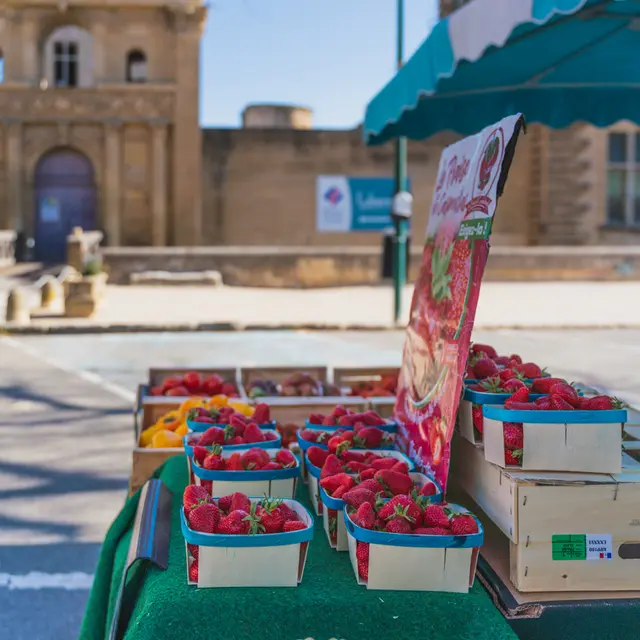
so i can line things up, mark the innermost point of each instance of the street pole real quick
(399, 245)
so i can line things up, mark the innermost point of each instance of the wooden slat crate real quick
(345, 377)
(551, 517)
(157, 375)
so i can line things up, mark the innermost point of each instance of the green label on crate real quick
(569, 547)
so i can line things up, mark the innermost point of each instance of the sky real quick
(329, 55)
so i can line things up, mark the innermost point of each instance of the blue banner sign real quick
(353, 204)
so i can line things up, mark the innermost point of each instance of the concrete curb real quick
(31, 330)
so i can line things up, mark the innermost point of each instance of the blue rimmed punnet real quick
(501, 414)
(305, 444)
(201, 427)
(401, 457)
(246, 476)
(389, 426)
(481, 397)
(267, 444)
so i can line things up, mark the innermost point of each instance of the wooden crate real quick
(145, 461)
(157, 375)
(279, 374)
(344, 377)
(547, 515)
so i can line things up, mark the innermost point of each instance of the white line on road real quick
(34, 580)
(87, 376)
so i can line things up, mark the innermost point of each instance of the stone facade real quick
(128, 104)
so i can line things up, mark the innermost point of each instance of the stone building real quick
(99, 120)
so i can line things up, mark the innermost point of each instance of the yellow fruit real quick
(171, 421)
(215, 402)
(191, 403)
(241, 407)
(182, 430)
(165, 439)
(148, 433)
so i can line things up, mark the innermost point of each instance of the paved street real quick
(66, 432)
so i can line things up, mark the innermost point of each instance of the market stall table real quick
(328, 603)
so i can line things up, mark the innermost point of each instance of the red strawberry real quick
(234, 462)
(384, 463)
(513, 458)
(521, 395)
(604, 403)
(400, 467)
(365, 516)
(567, 392)
(428, 489)
(224, 503)
(286, 458)
(204, 420)
(192, 381)
(513, 385)
(393, 482)
(212, 385)
(485, 368)
(513, 435)
(193, 496)
(236, 523)
(523, 406)
(463, 524)
(331, 483)
(484, 348)
(194, 550)
(339, 411)
(337, 444)
(369, 438)
(544, 402)
(271, 466)
(435, 516)
(204, 518)
(270, 516)
(316, 418)
(261, 414)
(200, 453)
(339, 492)
(404, 506)
(213, 435)
(240, 501)
(372, 485)
(372, 419)
(362, 555)
(310, 435)
(317, 456)
(516, 358)
(346, 421)
(178, 392)
(477, 417)
(398, 525)
(229, 389)
(253, 433)
(543, 385)
(529, 370)
(294, 525)
(208, 485)
(357, 496)
(287, 512)
(355, 467)
(367, 474)
(431, 531)
(215, 461)
(329, 421)
(558, 403)
(507, 374)
(193, 572)
(255, 458)
(332, 466)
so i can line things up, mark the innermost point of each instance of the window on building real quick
(136, 66)
(1, 67)
(65, 64)
(623, 179)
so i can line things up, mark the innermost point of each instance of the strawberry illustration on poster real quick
(471, 177)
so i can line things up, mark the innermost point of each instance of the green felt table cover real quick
(327, 604)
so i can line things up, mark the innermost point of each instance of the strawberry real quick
(521, 395)
(236, 523)
(558, 403)
(293, 525)
(372, 485)
(317, 456)
(398, 525)
(400, 467)
(215, 461)
(270, 516)
(204, 518)
(316, 418)
(477, 417)
(463, 524)
(337, 445)
(271, 466)
(346, 421)
(339, 492)
(502, 361)
(604, 403)
(213, 435)
(485, 368)
(193, 572)
(513, 434)
(567, 392)
(239, 501)
(204, 420)
(255, 458)
(193, 381)
(364, 516)
(544, 402)
(428, 489)
(194, 550)
(431, 531)
(367, 474)
(310, 435)
(200, 453)
(339, 411)
(489, 351)
(507, 374)
(372, 419)
(362, 555)
(492, 385)
(229, 389)
(513, 384)
(286, 458)
(212, 385)
(523, 406)
(287, 512)
(513, 458)
(208, 485)
(435, 516)
(253, 433)
(355, 467)
(329, 421)
(331, 483)
(516, 358)
(332, 466)
(529, 370)
(357, 496)
(193, 496)
(384, 463)
(393, 482)
(404, 506)
(369, 438)
(234, 462)
(261, 414)
(543, 385)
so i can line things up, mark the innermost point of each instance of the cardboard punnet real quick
(264, 560)
(277, 483)
(551, 517)
(582, 441)
(406, 562)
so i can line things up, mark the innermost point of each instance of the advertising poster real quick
(471, 177)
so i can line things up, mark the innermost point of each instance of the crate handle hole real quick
(629, 551)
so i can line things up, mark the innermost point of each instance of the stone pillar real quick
(30, 52)
(113, 168)
(186, 135)
(14, 175)
(159, 196)
(99, 31)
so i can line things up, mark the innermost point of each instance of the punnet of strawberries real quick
(343, 417)
(232, 435)
(254, 459)
(235, 514)
(561, 397)
(228, 416)
(380, 387)
(407, 514)
(361, 437)
(193, 383)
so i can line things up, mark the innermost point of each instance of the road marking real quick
(35, 580)
(87, 376)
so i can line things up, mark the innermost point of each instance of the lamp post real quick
(401, 223)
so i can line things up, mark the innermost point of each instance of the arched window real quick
(136, 66)
(68, 58)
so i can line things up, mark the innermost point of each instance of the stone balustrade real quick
(7, 248)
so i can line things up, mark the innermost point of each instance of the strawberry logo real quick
(489, 159)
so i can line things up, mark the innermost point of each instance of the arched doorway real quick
(65, 198)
